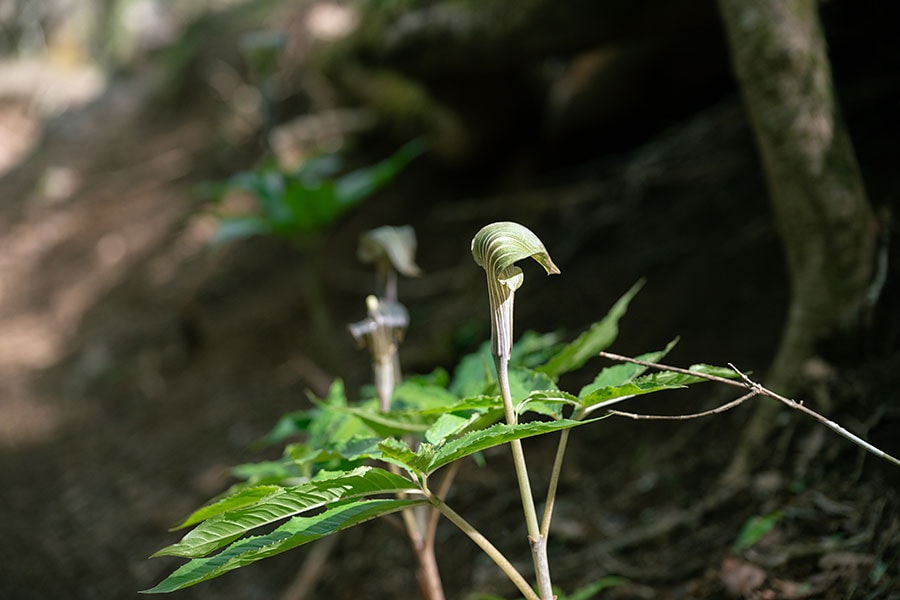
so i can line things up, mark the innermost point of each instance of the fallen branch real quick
(755, 389)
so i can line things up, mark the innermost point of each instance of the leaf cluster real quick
(306, 201)
(327, 479)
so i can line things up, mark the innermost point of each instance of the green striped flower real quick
(496, 248)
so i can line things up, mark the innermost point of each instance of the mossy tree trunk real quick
(825, 222)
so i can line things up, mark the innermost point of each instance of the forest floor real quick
(138, 365)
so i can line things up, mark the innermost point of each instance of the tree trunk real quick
(821, 211)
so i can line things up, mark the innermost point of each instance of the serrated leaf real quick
(655, 382)
(420, 396)
(610, 395)
(332, 426)
(597, 338)
(245, 497)
(477, 403)
(227, 526)
(621, 374)
(388, 424)
(547, 402)
(523, 381)
(724, 372)
(295, 532)
(496, 435)
(399, 453)
(449, 425)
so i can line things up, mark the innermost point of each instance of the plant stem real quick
(554, 482)
(486, 546)
(535, 537)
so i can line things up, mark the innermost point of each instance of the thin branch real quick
(554, 482)
(821, 419)
(757, 389)
(486, 546)
(705, 413)
(442, 491)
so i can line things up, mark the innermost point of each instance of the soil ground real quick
(138, 365)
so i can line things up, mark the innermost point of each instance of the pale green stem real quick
(554, 482)
(537, 540)
(554, 475)
(486, 546)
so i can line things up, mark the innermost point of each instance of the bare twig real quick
(554, 482)
(705, 413)
(756, 389)
(821, 419)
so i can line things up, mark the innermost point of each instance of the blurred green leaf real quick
(306, 202)
(236, 228)
(755, 528)
(600, 335)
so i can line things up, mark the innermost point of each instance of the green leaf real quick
(236, 228)
(245, 497)
(421, 395)
(289, 425)
(655, 382)
(362, 183)
(621, 374)
(610, 395)
(333, 426)
(755, 528)
(547, 402)
(449, 425)
(295, 532)
(282, 472)
(523, 381)
(473, 373)
(600, 335)
(533, 349)
(496, 435)
(227, 526)
(388, 424)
